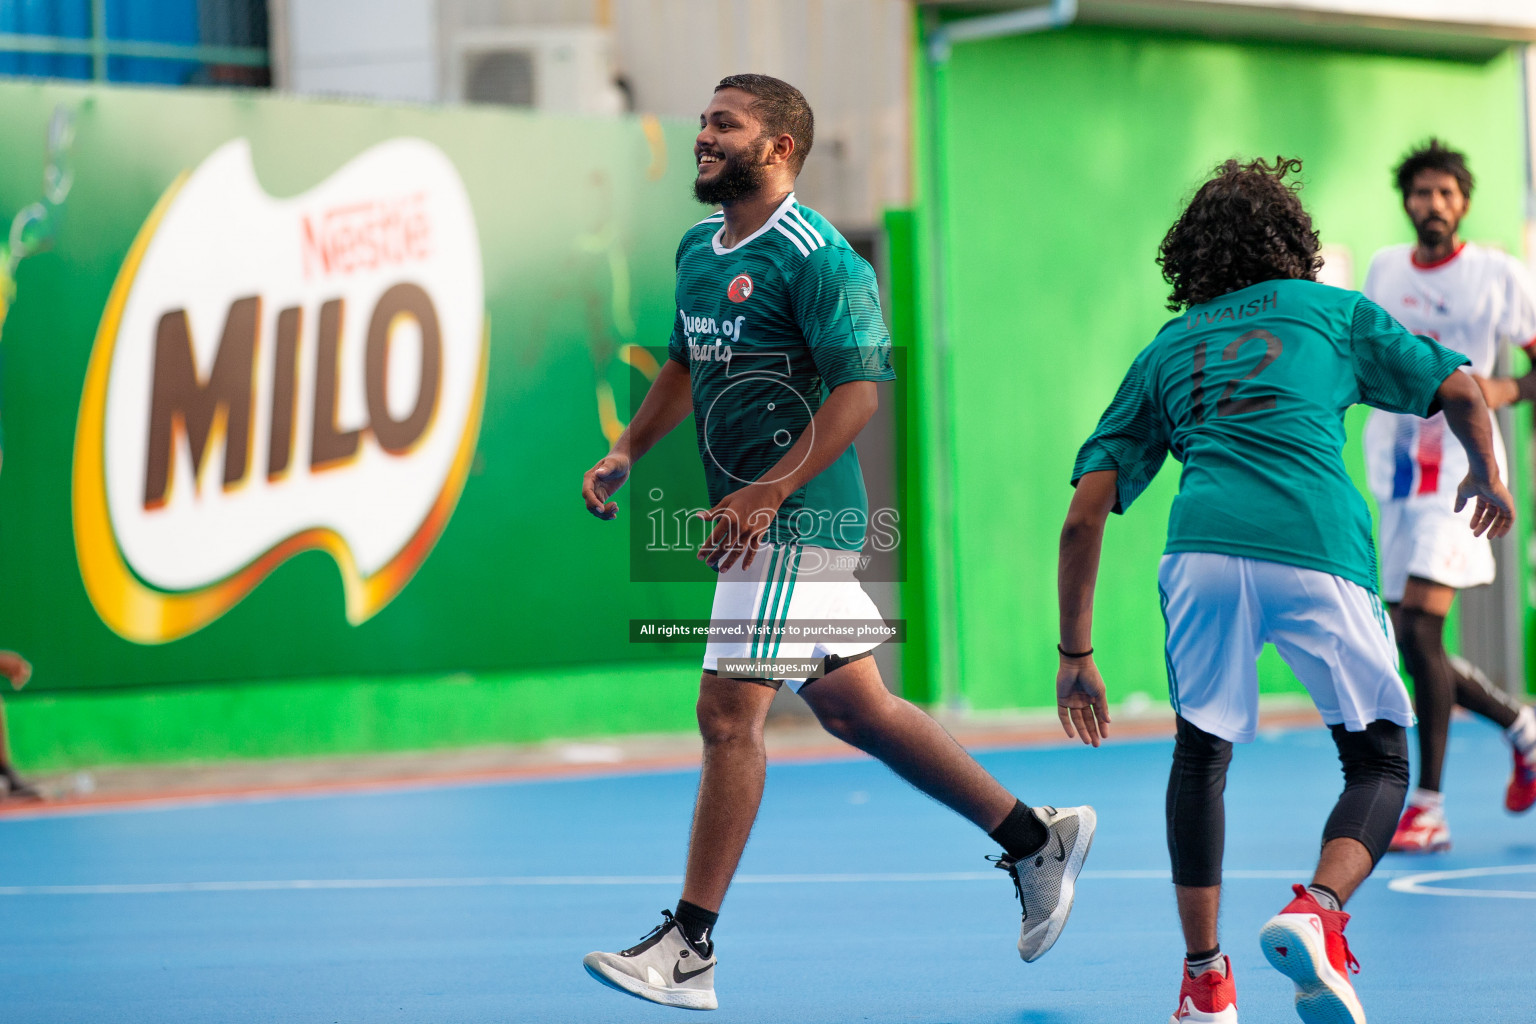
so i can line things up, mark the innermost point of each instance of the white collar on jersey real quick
(803, 235)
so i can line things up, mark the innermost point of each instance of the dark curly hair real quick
(1244, 226)
(1433, 155)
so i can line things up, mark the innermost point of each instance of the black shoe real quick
(16, 789)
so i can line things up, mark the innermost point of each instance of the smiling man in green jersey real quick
(776, 352)
(1268, 542)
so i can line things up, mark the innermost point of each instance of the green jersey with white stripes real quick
(767, 328)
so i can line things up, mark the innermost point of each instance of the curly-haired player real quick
(1268, 542)
(1471, 299)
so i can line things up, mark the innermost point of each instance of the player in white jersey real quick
(1474, 300)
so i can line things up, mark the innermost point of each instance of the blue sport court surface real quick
(858, 900)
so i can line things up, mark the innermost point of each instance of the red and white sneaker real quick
(1306, 943)
(1208, 999)
(1521, 793)
(1421, 831)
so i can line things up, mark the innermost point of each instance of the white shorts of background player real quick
(1333, 633)
(1420, 534)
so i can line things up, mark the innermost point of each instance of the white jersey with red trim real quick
(1473, 302)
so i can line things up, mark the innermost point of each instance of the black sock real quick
(1210, 960)
(697, 923)
(1021, 833)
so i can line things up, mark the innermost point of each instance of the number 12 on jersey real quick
(1226, 405)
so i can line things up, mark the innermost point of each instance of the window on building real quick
(168, 42)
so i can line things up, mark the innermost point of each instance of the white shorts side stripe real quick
(762, 605)
(789, 593)
(790, 581)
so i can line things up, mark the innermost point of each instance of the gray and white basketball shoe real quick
(1046, 881)
(663, 967)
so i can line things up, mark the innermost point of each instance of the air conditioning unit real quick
(566, 69)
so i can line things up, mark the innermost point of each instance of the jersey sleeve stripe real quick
(798, 244)
(798, 216)
(789, 223)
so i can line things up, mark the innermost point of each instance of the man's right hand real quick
(1495, 510)
(600, 483)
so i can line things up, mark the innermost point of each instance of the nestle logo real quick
(366, 236)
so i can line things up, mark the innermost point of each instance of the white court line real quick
(512, 881)
(1421, 883)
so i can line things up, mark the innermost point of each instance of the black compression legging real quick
(1439, 684)
(1375, 765)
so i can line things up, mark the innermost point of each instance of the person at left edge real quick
(17, 670)
(776, 351)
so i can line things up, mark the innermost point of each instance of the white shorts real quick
(1334, 634)
(1421, 536)
(1414, 467)
(788, 582)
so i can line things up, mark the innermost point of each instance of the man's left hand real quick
(1082, 703)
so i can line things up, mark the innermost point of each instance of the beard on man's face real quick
(739, 176)
(1434, 229)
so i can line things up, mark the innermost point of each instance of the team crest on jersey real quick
(740, 288)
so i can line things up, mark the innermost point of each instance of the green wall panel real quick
(343, 715)
(1065, 158)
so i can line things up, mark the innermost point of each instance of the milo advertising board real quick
(296, 388)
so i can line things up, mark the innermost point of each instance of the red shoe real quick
(1421, 831)
(1306, 943)
(1208, 999)
(1521, 793)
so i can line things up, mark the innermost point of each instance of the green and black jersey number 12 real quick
(1226, 405)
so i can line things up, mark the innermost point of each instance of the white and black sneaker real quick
(1046, 882)
(663, 967)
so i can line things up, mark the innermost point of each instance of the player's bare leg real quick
(674, 964)
(1343, 865)
(17, 670)
(731, 714)
(1196, 821)
(14, 787)
(1044, 847)
(853, 704)
(1305, 941)
(1199, 908)
(1207, 992)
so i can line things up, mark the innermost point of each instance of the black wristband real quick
(1073, 654)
